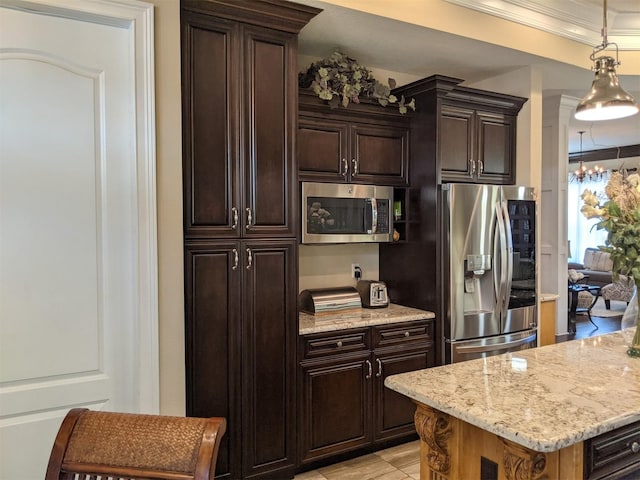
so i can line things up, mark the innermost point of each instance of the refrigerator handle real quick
(498, 346)
(509, 248)
(503, 258)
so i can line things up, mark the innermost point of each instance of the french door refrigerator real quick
(488, 270)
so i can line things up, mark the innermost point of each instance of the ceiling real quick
(396, 46)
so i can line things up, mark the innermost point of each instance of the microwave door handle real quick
(374, 215)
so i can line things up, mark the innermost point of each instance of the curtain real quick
(581, 232)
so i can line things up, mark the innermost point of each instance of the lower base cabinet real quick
(343, 403)
(613, 455)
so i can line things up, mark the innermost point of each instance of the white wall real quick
(324, 266)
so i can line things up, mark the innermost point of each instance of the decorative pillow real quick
(602, 262)
(588, 258)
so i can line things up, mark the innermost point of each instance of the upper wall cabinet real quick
(363, 143)
(462, 134)
(476, 146)
(239, 120)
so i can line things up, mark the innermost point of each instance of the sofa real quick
(597, 265)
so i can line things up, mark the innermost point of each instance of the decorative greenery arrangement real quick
(341, 79)
(619, 215)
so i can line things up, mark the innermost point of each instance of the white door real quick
(77, 220)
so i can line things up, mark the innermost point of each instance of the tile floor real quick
(401, 462)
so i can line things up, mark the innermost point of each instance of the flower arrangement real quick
(619, 215)
(340, 79)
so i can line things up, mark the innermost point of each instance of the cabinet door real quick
(212, 334)
(456, 149)
(322, 150)
(496, 148)
(335, 411)
(269, 356)
(380, 155)
(393, 416)
(210, 148)
(270, 115)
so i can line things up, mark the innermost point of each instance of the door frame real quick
(139, 18)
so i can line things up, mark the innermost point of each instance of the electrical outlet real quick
(356, 271)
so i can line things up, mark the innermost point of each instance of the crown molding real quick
(581, 22)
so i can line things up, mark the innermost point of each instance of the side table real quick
(574, 290)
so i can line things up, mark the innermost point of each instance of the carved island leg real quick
(434, 429)
(520, 463)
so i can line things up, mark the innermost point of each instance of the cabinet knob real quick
(339, 343)
(406, 334)
(635, 447)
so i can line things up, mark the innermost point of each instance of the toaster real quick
(373, 293)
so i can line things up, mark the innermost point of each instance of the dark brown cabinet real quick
(239, 117)
(476, 146)
(343, 403)
(241, 349)
(363, 143)
(239, 95)
(613, 455)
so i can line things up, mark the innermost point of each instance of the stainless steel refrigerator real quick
(488, 270)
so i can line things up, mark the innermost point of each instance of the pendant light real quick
(607, 100)
(583, 173)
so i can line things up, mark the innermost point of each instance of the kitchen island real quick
(564, 411)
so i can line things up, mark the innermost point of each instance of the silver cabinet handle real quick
(355, 165)
(370, 370)
(480, 167)
(235, 259)
(249, 258)
(472, 166)
(339, 343)
(379, 374)
(345, 168)
(406, 334)
(249, 218)
(635, 447)
(234, 214)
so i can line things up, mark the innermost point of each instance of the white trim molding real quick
(579, 21)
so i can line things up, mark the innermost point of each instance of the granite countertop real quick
(360, 318)
(544, 398)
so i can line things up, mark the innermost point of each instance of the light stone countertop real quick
(544, 398)
(360, 318)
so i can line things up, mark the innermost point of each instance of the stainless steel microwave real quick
(346, 213)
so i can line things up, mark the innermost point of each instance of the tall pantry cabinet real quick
(239, 95)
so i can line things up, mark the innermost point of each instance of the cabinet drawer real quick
(419, 332)
(334, 344)
(615, 454)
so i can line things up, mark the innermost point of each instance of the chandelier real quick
(583, 172)
(606, 100)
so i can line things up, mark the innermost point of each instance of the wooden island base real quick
(452, 449)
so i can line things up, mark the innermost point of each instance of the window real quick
(581, 232)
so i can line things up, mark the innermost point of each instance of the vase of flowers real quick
(340, 79)
(619, 215)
